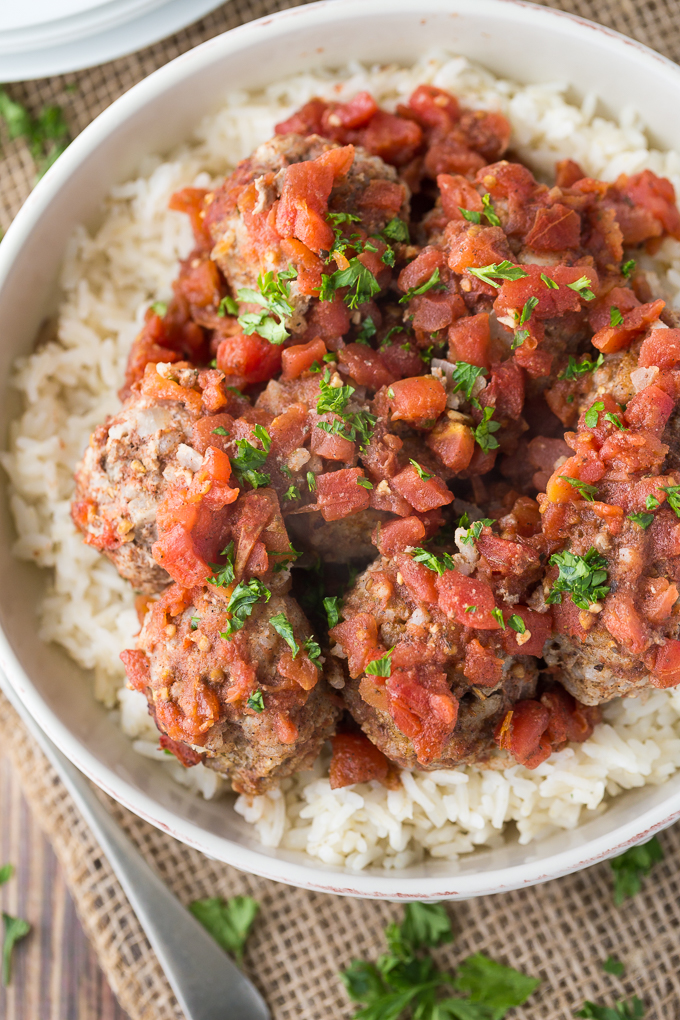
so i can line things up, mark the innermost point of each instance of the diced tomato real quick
(666, 669)
(309, 266)
(395, 536)
(196, 710)
(467, 600)
(418, 579)
(385, 196)
(514, 294)
(451, 154)
(137, 669)
(289, 430)
(358, 638)
(624, 623)
(423, 708)
(453, 442)
(569, 719)
(156, 387)
(184, 754)
(328, 320)
(304, 197)
(192, 202)
(505, 390)
(401, 361)
(432, 312)
(365, 366)
(357, 112)
(175, 552)
(434, 107)
(622, 298)
(659, 597)
(486, 131)
(339, 493)
(650, 408)
(418, 401)
(248, 360)
(457, 193)
(476, 247)
(662, 348)
(299, 358)
(199, 282)
(305, 121)
(615, 338)
(521, 733)
(328, 445)
(505, 556)
(394, 139)
(418, 272)
(482, 667)
(656, 194)
(422, 493)
(555, 228)
(356, 760)
(469, 340)
(299, 668)
(531, 642)
(567, 172)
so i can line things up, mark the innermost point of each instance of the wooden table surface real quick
(55, 971)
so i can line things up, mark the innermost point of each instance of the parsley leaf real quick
(582, 288)
(15, 930)
(490, 983)
(488, 212)
(364, 483)
(615, 316)
(227, 306)
(241, 602)
(333, 606)
(6, 872)
(311, 481)
(483, 432)
(273, 294)
(614, 419)
(250, 459)
(577, 368)
(498, 617)
(194, 622)
(425, 925)
(498, 271)
(431, 561)
(283, 628)
(46, 135)
(651, 503)
(517, 624)
(585, 491)
(471, 215)
(549, 282)
(642, 519)
(313, 650)
(332, 398)
(529, 306)
(397, 230)
(632, 1010)
(465, 376)
(632, 866)
(292, 492)
(256, 702)
(421, 472)
(381, 667)
(220, 431)
(582, 577)
(159, 308)
(673, 493)
(613, 966)
(366, 330)
(475, 529)
(361, 281)
(424, 287)
(593, 413)
(228, 921)
(223, 574)
(628, 268)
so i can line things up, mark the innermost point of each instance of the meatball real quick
(251, 703)
(435, 653)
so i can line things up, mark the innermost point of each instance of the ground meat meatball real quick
(251, 704)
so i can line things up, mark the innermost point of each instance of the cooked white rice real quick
(69, 386)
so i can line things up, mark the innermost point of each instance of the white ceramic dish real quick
(56, 38)
(515, 39)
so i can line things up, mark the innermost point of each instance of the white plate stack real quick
(44, 37)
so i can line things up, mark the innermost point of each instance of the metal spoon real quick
(207, 984)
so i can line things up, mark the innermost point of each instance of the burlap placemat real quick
(560, 932)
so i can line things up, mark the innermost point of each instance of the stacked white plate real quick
(44, 37)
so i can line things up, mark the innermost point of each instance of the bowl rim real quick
(391, 885)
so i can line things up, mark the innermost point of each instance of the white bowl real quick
(518, 40)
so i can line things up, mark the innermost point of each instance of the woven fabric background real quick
(560, 932)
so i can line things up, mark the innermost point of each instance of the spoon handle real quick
(207, 984)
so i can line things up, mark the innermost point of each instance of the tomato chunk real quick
(299, 358)
(356, 760)
(423, 708)
(521, 733)
(468, 600)
(482, 667)
(399, 535)
(423, 494)
(358, 637)
(418, 401)
(248, 360)
(304, 197)
(339, 493)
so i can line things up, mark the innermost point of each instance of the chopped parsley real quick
(282, 564)
(483, 432)
(577, 368)
(313, 649)
(614, 419)
(651, 503)
(628, 268)
(498, 271)
(46, 135)
(585, 491)
(471, 609)
(582, 577)
(364, 483)
(381, 667)
(292, 492)
(223, 574)
(284, 629)
(273, 294)
(474, 530)
(615, 316)
(397, 230)
(526, 312)
(220, 431)
(15, 930)
(228, 921)
(632, 1010)
(613, 966)
(464, 376)
(549, 282)
(406, 981)
(256, 701)
(361, 282)
(195, 621)
(332, 398)
(472, 216)
(582, 288)
(424, 287)
(333, 607)
(593, 413)
(244, 596)
(632, 866)
(432, 562)
(498, 617)
(311, 481)
(421, 472)
(6, 872)
(227, 306)
(366, 330)
(159, 308)
(517, 624)
(250, 459)
(673, 494)
(642, 519)
(520, 336)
